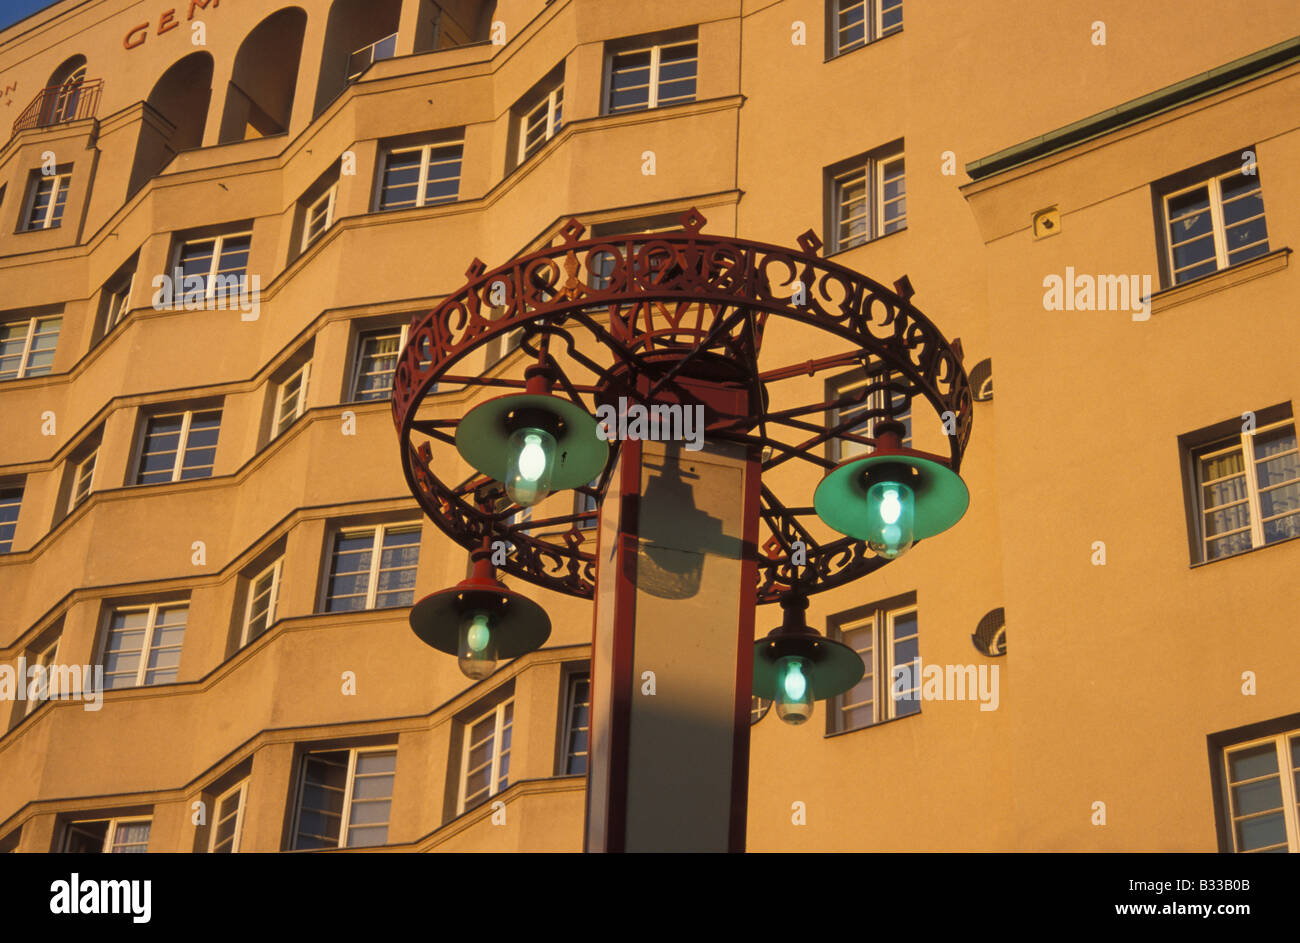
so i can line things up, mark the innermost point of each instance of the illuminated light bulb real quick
(477, 651)
(891, 511)
(532, 461)
(794, 701)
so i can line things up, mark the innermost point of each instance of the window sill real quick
(881, 723)
(863, 245)
(1221, 280)
(879, 39)
(1243, 553)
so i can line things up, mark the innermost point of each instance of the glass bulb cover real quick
(477, 648)
(530, 465)
(794, 700)
(891, 513)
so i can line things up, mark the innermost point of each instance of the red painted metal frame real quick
(658, 307)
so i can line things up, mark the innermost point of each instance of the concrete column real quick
(672, 654)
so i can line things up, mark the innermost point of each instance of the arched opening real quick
(63, 91)
(259, 100)
(357, 33)
(181, 95)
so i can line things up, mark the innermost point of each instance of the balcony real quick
(59, 104)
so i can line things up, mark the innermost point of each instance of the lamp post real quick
(689, 538)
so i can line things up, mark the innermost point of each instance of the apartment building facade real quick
(216, 224)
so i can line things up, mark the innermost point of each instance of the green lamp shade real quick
(514, 624)
(483, 438)
(940, 497)
(826, 667)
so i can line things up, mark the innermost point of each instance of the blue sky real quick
(11, 11)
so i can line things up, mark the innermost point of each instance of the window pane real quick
(630, 81)
(131, 838)
(11, 500)
(1261, 832)
(1252, 763)
(401, 180)
(442, 185)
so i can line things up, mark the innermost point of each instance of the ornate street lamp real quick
(892, 497)
(480, 621)
(532, 442)
(796, 665)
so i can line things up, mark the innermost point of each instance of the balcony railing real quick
(360, 60)
(61, 103)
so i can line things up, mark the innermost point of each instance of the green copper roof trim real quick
(1131, 112)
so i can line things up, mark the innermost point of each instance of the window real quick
(46, 199)
(344, 798)
(651, 77)
(421, 176)
(540, 123)
(376, 363)
(116, 836)
(263, 594)
(875, 396)
(1247, 490)
(228, 821)
(868, 199)
(220, 263)
(361, 60)
(83, 479)
(577, 721)
(27, 347)
(584, 503)
(291, 399)
(118, 299)
(43, 656)
(886, 638)
(1263, 790)
(601, 270)
(1216, 223)
(485, 761)
(858, 22)
(11, 500)
(320, 216)
(373, 568)
(179, 446)
(143, 644)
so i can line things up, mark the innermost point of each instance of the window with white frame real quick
(373, 568)
(1262, 779)
(873, 393)
(651, 77)
(113, 836)
(485, 759)
(319, 216)
(291, 399)
(420, 176)
(27, 347)
(858, 22)
(868, 199)
(362, 59)
(44, 656)
(142, 644)
(587, 503)
(541, 122)
(577, 723)
(118, 302)
(11, 501)
(263, 594)
(345, 798)
(1247, 489)
(46, 198)
(220, 263)
(179, 446)
(1214, 224)
(886, 639)
(377, 363)
(228, 820)
(83, 479)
